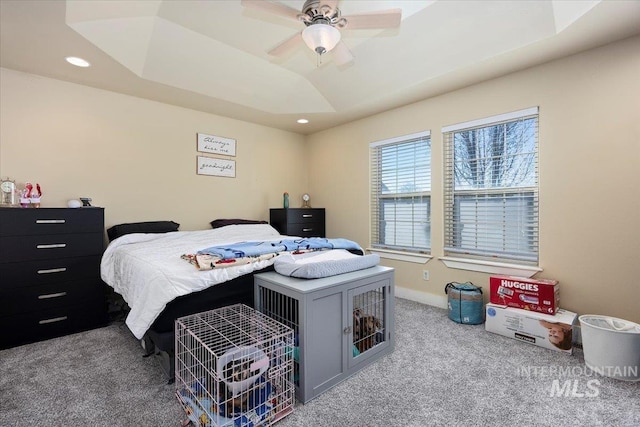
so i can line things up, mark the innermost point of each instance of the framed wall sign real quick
(216, 167)
(216, 144)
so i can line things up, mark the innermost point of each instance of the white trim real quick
(490, 267)
(423, 134)
(493, 119)
(422, 297)
(401, 256)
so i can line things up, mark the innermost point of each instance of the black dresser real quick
(305, 222)
(50, 273)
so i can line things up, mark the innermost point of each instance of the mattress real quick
(148, 271)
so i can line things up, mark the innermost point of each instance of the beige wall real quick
(137, 158)
(589, 174)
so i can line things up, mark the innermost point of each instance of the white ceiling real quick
(211, 55)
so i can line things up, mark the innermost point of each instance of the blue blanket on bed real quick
(254, 249)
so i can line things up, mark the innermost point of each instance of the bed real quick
(149, 265)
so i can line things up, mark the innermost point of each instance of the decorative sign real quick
(216, 144)
(216, 167)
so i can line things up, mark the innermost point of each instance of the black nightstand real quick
(305, 222)
(50, 273)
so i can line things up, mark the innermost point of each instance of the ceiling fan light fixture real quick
(321, 38)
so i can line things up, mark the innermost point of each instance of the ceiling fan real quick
(323, 21)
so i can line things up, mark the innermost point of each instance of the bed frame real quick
(159, 340)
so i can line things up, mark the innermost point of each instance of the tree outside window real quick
(491, 202)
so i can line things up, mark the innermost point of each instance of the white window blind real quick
(401, 193)
(491, 187)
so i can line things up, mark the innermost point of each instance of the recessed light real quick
(303, 121)
(78, 62)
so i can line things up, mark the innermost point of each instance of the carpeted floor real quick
(440, 374)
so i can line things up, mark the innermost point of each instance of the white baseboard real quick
(439, 301)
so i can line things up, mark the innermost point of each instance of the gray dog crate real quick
(341, 323)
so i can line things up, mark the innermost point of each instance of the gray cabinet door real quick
(371, 322)
(324, 346)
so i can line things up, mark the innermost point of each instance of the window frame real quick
(402, 252)
(452, 244)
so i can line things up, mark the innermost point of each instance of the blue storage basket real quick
(466, 304)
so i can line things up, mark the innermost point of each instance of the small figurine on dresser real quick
(30, 196)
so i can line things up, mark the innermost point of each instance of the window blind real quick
(491, 187)
(401, 193)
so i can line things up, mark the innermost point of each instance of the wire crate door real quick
(233, 368)
(370, 310)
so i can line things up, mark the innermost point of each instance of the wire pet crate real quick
(234, 367)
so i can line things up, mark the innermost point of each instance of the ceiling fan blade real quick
(383, 19)
(341, 54)
(287, 46)
(271, 7)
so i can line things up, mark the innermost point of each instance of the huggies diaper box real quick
(539, 295)
(544, 330)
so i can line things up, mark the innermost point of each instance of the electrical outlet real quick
(425, 274)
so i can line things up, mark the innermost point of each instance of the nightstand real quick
(304, 222)
(50, 273)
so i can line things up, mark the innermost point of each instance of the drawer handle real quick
(53, 320)
(53, 270)
(307, 216)
(307, 229)
(59, 294)
(50, 221)
(52, 246)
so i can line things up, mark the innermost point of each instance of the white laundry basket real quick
(611, 346)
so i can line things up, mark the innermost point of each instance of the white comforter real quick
(146, 269)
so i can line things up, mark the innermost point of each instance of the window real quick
(491, 188)
(401, 193)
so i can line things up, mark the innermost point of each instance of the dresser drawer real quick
(25, 248)
(32, 273)
(306, 230)
(50, 296)
(50, 273)
(304, 216)
(30, 327)
(305, 222)
(20, 222)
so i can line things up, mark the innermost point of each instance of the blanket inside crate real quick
(201, 410)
